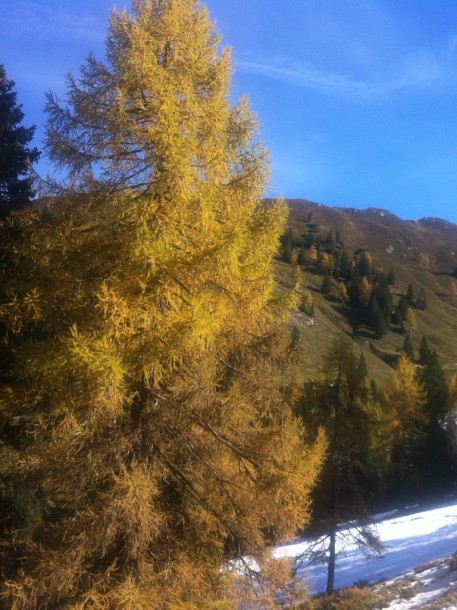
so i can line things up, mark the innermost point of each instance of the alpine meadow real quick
(146, 361)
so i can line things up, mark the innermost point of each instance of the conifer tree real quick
(364, 264)
(408, 348)
(410, 294)
(345, 265)
(312, 255)
(436, 452)
(307, 304)
(342, 292)
(391, 277)
(326, 285)
(424, 350)
(403, 309)
(147, 437)
(16, 156)
(287, 243)
(365, 289)
(301, 256)
(339, 402)
(421, 301)
(404, 401)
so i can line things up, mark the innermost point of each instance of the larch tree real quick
(342, 292)
(404, 400)
(146, 437)
(339, 403)
(16, 156)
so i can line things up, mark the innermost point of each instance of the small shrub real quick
(354, 598)
(362, 583)
(453, 563)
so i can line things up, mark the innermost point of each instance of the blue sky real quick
(357, 99)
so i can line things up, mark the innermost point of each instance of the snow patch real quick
(409, 540)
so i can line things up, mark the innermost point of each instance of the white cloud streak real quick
(42, 22)
(419, 71)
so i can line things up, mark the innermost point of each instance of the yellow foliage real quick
(145, 344)
(405, 399)
(342, 292)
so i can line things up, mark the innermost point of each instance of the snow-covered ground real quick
(410, 540)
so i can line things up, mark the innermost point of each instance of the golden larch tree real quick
(404, 401)
(343, 292)
(147, 440)
(365, 290)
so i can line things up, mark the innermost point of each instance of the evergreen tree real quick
(287, 243)
(410, 294)
(391, 277)
(424, 351)
(436, 453)
(345, 265)
(408, 348)
(15, 154)
(383, 297)
(379, 324)
(376, 318)
(301, 256)
(147, 439)
(403, 308)
(421, 302)
(326, 286)
(396, 316)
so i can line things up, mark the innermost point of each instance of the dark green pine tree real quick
(362, 369)
(16, 156)
(391, 277)
(301, 256)
(421, 299)
(326, 285)
(345, 265)
(287, 243)
(408, 348)
(424, 351)
(436, 457)
(403, 309)
(410, 295)
(376, 318)
(384, 298)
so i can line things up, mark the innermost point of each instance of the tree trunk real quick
(331, 560)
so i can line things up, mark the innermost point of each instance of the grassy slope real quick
(394, 244)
